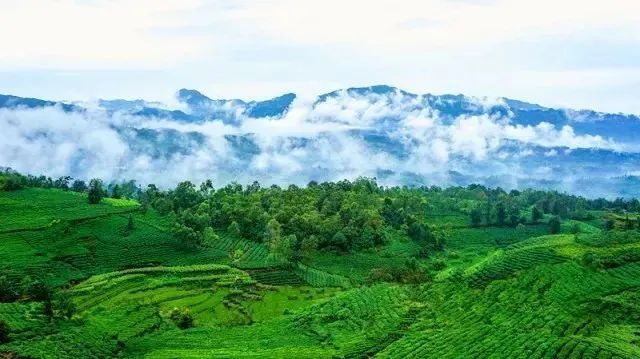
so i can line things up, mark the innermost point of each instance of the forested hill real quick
(333, 269)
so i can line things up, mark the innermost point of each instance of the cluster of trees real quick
(342, 216)
(409, 272)
(11, 181)
(626, 223)
(296, 221)
(496, 207)
(55, 305)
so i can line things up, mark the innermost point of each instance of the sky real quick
(567, 53)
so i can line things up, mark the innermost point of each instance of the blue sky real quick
(583, 54)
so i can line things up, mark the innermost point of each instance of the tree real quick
(418, 232)
(514, 218)
(206, 187)
(163, 206)
(62, 183)
(96, 192)
(79, 186)
(273, 231)
(209, 237)
(554, 225)
(187, 236)
(536, 214)
(115, 192)
(609, 224)
(234, 229)
(182, 318)
(559, 208)
(339, 240)
(308, 246)
(476, 217)
(501, 214)
(628, 223)
(575, 229)
(440, 239)
(63, 306)
(185, 195)
(487, 212)
(4, 332)
(11, 183)
(9, 290)
(36, 289)
(236, 254)
(39, 291)
(282, 247)
(130, 225)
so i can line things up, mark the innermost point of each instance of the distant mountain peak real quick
(192, 97)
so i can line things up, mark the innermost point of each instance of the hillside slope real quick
(133, 292)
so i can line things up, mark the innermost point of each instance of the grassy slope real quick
(504, 292)
(35, 208)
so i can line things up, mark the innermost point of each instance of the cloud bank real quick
(392, 136)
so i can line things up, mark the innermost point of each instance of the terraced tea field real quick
(133, 291)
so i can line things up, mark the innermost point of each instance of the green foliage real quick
(79, 186)
(234, 229)
(36, 208)
(536, 214)
(130, 225)
(4, 332)
(11, 183)
(554, 225)
(501, 214)
(187, 236)
(96, 191)
(283, 247)
(181, 317)
(347, 269)
(163, 206)
(308, 247)
(476, 217)
(209, 237)
(63, 305)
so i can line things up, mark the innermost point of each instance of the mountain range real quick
(380, 131)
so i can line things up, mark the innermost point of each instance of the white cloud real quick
(74, 35)
(308, 143)
(516, 48)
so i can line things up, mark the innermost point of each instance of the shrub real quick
(181, 318)
(380, 275)
(554, 225)
(476, 217)
(4, 332)
(609, 224)
(234, 229)
(64, 306)
(130, 226)
(9, 290)
(36, 290)
(575, 229)
(210, 238)
(96, 192)
(11, 183)
(439, 264)
(163, 206)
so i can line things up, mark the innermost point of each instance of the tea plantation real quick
(327, 271)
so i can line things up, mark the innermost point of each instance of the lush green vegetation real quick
(347, 269)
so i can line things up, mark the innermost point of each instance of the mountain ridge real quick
(381, 131)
